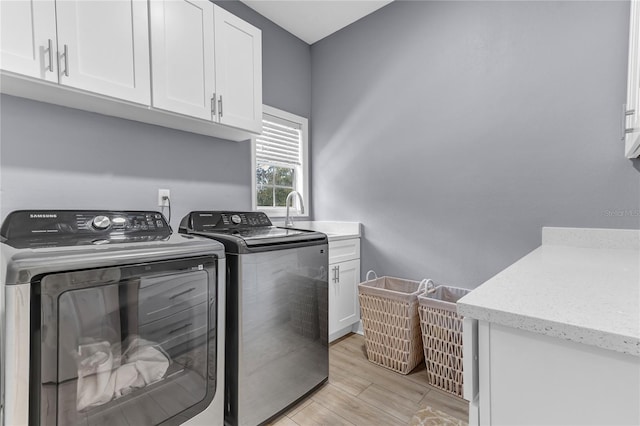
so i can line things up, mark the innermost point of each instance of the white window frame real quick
(302, 172)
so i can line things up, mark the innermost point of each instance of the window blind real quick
(279, 143)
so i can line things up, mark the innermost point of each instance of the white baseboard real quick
(354, 328)
(357, 328)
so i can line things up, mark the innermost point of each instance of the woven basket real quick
(389, 313)
(442, 337)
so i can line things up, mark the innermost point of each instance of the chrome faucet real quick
(288, 222)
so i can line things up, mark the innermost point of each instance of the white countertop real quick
(334, 230)
(581, 285)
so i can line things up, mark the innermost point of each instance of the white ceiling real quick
(313, 20)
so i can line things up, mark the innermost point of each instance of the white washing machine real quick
(108, 318)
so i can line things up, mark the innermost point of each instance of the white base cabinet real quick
(516, 377)
(344, 277)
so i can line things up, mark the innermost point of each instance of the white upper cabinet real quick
(28, 38)
(97, 46)
(632, 109)
(206, 63)
(238, 53)
(182, 57)
(103, 47)
(183, 64)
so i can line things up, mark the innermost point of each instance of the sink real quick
(333, 230)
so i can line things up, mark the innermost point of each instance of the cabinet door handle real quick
(66, 60)
(213, 105)
(50, 49)
(220, 106)
(338, 273)
(626, 113)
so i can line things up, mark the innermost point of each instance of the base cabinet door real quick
(103, 47)
(528, 378)
(238, 57)
(344, 309)
(28, 38)
(182, 57)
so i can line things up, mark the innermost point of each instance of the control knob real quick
(236, 219)
(101, 222)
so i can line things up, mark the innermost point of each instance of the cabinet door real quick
(238, 54)
(182, 56)
(103, 47)
(28, 38)
(344, 309)
(632, 121)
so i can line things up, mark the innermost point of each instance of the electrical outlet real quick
(161, 194)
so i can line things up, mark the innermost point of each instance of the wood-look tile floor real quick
(361, 393)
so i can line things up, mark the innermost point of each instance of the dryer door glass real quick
(130, 345)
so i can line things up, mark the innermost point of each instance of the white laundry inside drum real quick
(105, 372)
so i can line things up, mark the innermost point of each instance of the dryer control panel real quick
(41, 228)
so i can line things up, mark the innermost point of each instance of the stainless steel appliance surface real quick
(277, 312)
(109, 318)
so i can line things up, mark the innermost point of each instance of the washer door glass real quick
(131, 345)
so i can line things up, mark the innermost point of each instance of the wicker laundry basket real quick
(389, 313)
(442, 337)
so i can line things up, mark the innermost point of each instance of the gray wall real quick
(455, 130)
(56, 157)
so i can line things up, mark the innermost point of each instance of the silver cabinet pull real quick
(338, 273)
(626, 113)
(213, 105)
(220, 106)
(66, 60)
(50, 49)
(335, 274)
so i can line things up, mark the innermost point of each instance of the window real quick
(280, 161)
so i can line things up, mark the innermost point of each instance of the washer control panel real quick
(101, 222)
(128, 222)
(221, 221)
(70, 227)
